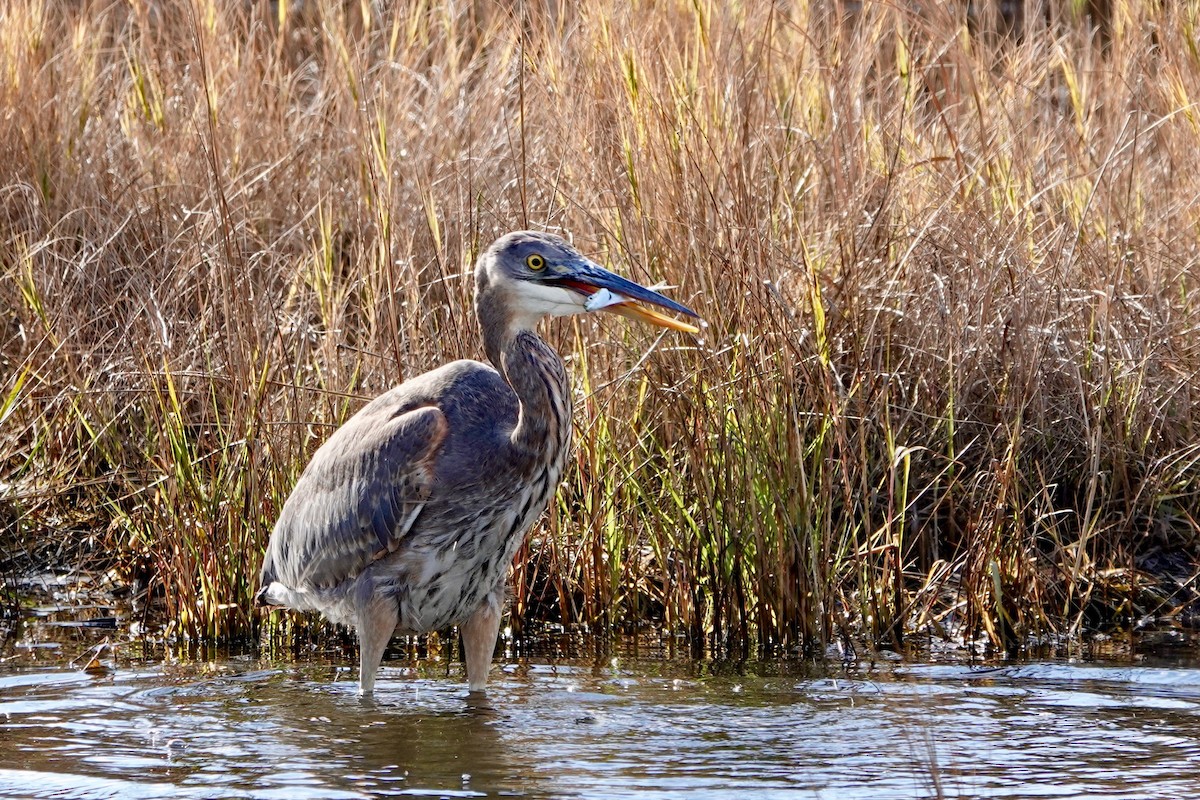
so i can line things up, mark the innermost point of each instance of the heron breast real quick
(450, 579)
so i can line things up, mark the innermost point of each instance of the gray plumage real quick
(407, 518)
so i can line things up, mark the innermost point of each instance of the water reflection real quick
(414, 736)
(631, 729)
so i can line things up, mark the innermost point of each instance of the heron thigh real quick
(479, 634)
(375, 623)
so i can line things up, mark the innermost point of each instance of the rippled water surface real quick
(623, 728)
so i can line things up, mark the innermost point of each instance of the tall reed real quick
(949, 379)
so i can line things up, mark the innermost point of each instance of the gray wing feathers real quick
(357, 498)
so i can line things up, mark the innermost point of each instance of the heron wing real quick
(357, 498)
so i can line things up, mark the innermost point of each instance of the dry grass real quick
(952, 284)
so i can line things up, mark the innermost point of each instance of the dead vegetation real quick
(949, 381)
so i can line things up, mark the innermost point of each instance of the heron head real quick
(539, 274)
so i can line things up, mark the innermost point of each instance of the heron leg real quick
(479, 634)
(376, 623)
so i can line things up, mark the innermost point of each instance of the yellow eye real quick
(535, 262)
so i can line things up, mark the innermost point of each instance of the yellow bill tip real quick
(641, 313)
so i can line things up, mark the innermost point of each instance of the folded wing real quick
(357, 499)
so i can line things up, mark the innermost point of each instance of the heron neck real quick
(539, 379)
(533, 370)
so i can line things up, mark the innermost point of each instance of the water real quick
(610, 729)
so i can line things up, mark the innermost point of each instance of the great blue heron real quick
(407, 518)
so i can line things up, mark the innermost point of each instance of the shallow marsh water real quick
(608, 728)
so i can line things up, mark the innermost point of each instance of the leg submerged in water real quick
(376, 623)
(479, 634)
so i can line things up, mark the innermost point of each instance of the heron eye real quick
(535, 262)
